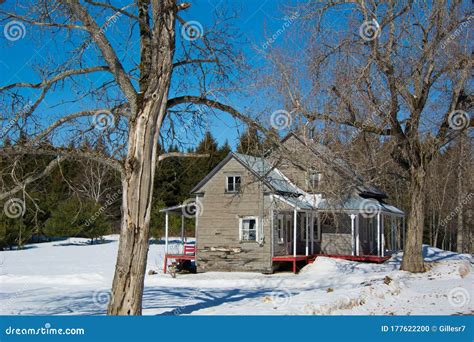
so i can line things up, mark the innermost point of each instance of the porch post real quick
(272, 233)
(357, 234)
(353, 217)
(166, 233)
(378, 234)
(393, 222)
(307, 233)
(182, 229)
(312, 232)
(382, 238)
(295, 219)
(319, 231)
(196, 223)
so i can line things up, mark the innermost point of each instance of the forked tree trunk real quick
(137, 184)
(412, 254)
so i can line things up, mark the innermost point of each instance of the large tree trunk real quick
(413, 252)
(460, 199)
(137, 184)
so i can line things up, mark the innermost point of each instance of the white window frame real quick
(241, 225)
(227, 182)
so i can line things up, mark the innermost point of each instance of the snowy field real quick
(71, 277)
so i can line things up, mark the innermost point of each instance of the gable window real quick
(248, 229)
(233, 183)
(314, 179)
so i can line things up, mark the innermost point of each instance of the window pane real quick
(236, 183)
(251, 224)
(230, 184)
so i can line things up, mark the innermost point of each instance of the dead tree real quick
(398, 70)
(132, 122)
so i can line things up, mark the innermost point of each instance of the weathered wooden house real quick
(295, 203)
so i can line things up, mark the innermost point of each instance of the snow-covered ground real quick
(73, 278)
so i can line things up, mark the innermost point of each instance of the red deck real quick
(310, 258)
(363, 258)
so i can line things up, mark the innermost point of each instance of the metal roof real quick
(187, 208)
(267, 172)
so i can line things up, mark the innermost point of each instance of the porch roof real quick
(354, 203)
(357, 203)
(186, 208)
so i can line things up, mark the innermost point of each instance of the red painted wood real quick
(362, 258)
(189, 254)
(310, 259)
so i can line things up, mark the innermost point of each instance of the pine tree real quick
(77, 218)
(250, 143)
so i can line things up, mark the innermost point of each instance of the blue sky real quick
(255, 21)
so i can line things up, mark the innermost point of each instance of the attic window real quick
(314, 179)
(233, 183)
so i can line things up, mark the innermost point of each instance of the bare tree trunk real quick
(412, 258)
(460, 198)
(137, 184)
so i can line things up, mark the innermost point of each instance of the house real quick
(291, 205)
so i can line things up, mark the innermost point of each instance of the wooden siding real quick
(219, 247)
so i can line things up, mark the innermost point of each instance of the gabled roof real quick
(260, 168)
(266, 171)
(339, 165)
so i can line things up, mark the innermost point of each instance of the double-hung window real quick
(233, 183)
(248, 229)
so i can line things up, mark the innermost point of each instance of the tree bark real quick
(137, 183)
(460, 197)
(412, 257)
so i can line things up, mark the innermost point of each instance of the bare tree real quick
(394, 69)
(135, 110)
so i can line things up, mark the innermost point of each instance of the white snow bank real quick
(72, 277)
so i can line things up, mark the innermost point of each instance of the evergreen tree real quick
(77, 218)
(250, 143)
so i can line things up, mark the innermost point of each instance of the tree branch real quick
(182, 155)
(108, 52)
